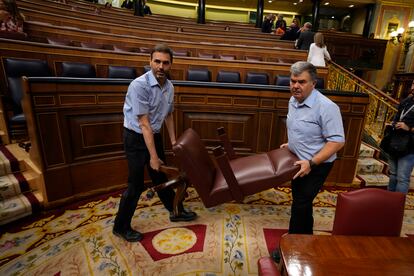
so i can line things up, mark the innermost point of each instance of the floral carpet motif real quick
(224, 240)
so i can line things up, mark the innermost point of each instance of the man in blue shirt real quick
(315, 135)
(148, 104)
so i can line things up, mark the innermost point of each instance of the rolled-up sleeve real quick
(332, 125)
(140, 106)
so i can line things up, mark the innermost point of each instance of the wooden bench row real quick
(101, 59)
(41, 31)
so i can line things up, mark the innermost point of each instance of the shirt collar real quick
(152, 79)
(309, 101)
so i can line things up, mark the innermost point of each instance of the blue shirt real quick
(312, 123)
(146, 96)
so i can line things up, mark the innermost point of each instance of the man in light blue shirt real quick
(315, 135)
(148, 104)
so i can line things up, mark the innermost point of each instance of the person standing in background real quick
(318, 52)
(305, 37)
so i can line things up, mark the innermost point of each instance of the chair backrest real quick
(121, 72)
(78, 70)
(257, 78)
(180, 53)
(15, 69)
(254, 59)
(282, 80)
(147, 68)
(320, 83)
(228, 76)
(193, 159)
(369, 212)
(198, 75)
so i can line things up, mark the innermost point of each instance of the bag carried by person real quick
(396, 142)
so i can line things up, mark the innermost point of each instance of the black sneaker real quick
(183, 216)
(276, 255)
(129, 235)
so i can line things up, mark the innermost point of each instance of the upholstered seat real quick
(91, 45)
(227, 57)
(78, 70)
(198, 75)
(15, 69)
(257, 78)
(369, 212)
(181, 53)
(228, 76)
(205, 55)
(233, 178)
(121, 72)
(254, 59)
(282, 80)
(58, 41)
(121, 49)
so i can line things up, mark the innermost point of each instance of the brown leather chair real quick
(369, 212)
(267, 267)
(233, 178)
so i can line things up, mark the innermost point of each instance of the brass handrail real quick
(381, 109)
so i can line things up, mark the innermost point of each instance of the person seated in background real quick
(146, 8)
(292, 32)
(11, 19)
(127, 4)
(280, 23)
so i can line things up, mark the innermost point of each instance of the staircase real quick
(371, 171)
(19, 184)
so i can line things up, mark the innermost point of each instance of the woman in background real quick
(11, 18)
(318, 51)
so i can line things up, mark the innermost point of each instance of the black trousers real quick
(138, 158)
(304, 191)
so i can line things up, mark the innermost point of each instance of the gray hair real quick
(302, 66)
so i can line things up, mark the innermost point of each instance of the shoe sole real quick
(182, 219)
(130, 240)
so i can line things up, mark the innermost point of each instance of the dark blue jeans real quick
(304, 191)
(400, 173)
(138, 158)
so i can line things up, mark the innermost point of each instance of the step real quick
(13, 184)
(366, 151)
(369, 166)
(19, 206)
(374, 180)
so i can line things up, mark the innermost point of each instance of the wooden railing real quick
(381, 108)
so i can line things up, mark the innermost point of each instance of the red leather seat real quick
(232, 178)
(369, 212)
(267, 267)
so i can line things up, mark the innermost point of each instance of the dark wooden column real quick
(315, 15)
(368, 19)
(201, 12)
(259, 13)
(138, 8)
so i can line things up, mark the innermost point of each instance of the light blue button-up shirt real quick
(312, 123)
(146, 96)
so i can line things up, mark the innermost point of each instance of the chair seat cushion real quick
(259, 172)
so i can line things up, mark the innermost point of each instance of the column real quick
(201, 12)
(315, 15)
(259, 13)
(368, 19)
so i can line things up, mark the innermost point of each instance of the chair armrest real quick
(226, 143)
(228, 174)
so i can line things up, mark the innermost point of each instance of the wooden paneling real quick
(79, 147)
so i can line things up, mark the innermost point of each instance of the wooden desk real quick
(346, 255)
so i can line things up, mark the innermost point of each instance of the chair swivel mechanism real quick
(231, 179)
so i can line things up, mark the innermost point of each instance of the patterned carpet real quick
(224, 240)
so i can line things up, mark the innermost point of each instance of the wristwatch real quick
(312, 164)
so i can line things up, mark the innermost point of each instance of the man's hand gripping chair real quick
(230, 178)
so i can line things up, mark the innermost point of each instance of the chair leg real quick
(179, 196)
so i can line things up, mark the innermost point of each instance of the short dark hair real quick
(162, 48)
(303, 66)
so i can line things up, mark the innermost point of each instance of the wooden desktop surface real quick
(346, 255)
